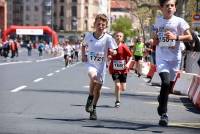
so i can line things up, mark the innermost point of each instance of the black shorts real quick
(120, 77)
(137, 58)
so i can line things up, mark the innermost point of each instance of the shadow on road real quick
(120, 125)
(189, 105)
(143, 97)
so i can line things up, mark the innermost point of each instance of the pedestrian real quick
(41, 48)
(138, 54)
(12, 48)
(170, 30)
(119, 66)
(29, 47)
(67, 49)
(98, 44)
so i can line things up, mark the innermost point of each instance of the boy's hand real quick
(112, 52)
(170, 35)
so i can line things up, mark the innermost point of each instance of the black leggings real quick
(166, 87)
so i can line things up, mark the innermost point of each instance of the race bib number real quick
(119, 64)
(164, 42)
(96, 57)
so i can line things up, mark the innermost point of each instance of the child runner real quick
(138, 54)
(170, 30)
(119, 66)
(98, 44)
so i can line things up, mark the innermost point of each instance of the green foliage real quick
(123, 24)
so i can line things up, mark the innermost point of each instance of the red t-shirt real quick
(118, 61)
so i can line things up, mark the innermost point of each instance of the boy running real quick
(119, 66)
(170, 30)
(98, 44)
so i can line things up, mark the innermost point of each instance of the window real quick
(74, 11)
(61, 24)
(86, 12)
(27, 8)
(74, 1)
(61, 10)
(36, 8)
(62, 1)
(27, 17)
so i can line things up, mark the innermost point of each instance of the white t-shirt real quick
(98, 49)
(177, 26)
(67, 50)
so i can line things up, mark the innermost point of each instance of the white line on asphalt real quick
(49, 59)
(103, 87)
(18, 89)
(149, 93)
(8, 63)
(57, 71)
(50, 74)
(37, 80)
(63, 68)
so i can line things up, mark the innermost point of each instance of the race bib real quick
(164, 42)
(96, 57)
(119, 64)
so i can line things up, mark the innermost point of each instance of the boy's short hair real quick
(102, 17)
(162, 2)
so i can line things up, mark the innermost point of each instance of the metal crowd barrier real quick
(191, 62)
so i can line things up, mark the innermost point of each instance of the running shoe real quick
(93, 115)
(117, 104)
(89, 106)
(163, 120)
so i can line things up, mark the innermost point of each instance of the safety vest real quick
(139, 47)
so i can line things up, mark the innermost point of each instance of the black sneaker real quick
(163, 120)
(117, 104)
(93, 115)
(89, 106)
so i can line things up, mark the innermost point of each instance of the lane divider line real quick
(57, 71)
(37, 80)
(50, 74)
(18, 89)
(49, 59)
(8, 63)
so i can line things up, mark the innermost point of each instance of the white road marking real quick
(63, 68)
(49, 59)
(8, 63)
(37, 80)
(50, 74)
(18, 89)
(103, 87)
(57, 71)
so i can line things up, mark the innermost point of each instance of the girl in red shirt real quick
(119, 66)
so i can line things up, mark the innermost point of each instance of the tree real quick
(123, 24)
(145, 11)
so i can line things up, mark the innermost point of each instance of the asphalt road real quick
(43, 97)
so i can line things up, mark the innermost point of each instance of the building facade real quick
(3, 16)
(78, 15)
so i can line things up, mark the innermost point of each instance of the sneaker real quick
(93, 115)
(89, 106)
(117, 104)
(163, 120)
